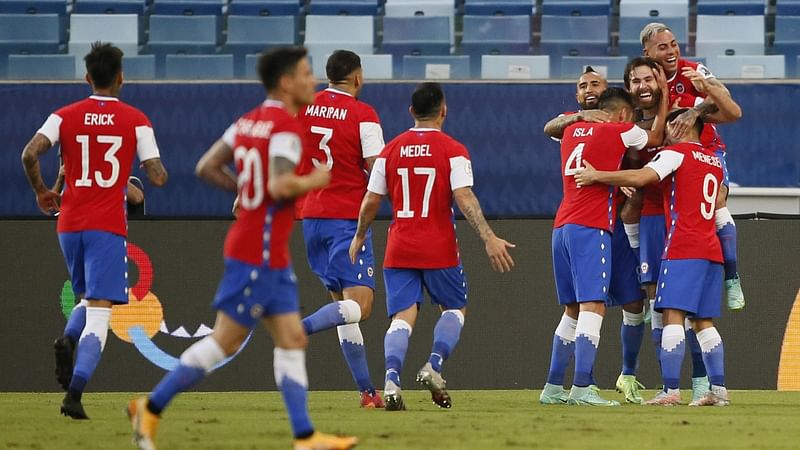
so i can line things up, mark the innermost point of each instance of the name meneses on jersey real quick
(413, 151)
(706, 158)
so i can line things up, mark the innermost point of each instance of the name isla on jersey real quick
(326, 112)
(582, 132)
(706, 158)
(413, 151)
(95, 119)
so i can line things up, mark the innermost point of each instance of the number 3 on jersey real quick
(575, 161)
(327, 134)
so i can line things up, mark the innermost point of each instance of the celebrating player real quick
(588, 89)
(259, 283)
(689, 280)
(99, 138)
(422, 171)
(706, 97)
(343, 135)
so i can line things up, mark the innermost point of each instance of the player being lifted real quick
(343, 135)
(696, 88)
(99, 136)
(690, 277)
(259, 284)
(422, 171)
(582, 244)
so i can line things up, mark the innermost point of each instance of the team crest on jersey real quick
(645, 267)
(370, 272)
(679, 88)
(256, 311)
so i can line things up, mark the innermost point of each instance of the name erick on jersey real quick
(99, 137)
(682, 89)
(419, 170)
(340, 132)
(691, 176)
(260, 235)
(603, 145)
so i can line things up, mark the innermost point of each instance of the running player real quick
(582, 247)
(707, 98)
(258, 284)
(100, 136)
(690, 276)
(343, 135)
(422, 171)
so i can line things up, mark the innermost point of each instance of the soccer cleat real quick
(371, 400)
(433, 380)
(322, 441)
(700, 387)
(394, 400)
(664, 398)
(733, 294)
(65, 355)
(629, 386)
(553, 395)
(586, 396)
(72, 407)
(717, 397)
(144, 424)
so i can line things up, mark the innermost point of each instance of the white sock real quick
(723, 217)
(589, 325)
(708, 339)
(97, 319)
(290, 364)
(350, 310)
(671, 337)
(632, 230)
(204, 354)
(566, 329)
(350, 332)
(632, 319)
(399, 324)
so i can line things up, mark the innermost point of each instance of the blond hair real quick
(650, 30)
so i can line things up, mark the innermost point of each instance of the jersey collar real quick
(103, 98)
(270, 103)
(424, 129)
(337, 91)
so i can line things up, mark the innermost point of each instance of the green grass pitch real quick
(478, 420)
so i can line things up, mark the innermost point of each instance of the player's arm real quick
(496, 248)
(214, 169)
(372, 143)
(135, 195)
(58, 186)
(655, 135)
(555, 127)
(156, 172)
(47, 200)
(149, 155)
(376, 190)
(284, 154)
(665, 163)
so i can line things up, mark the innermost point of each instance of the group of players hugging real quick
(321, 157)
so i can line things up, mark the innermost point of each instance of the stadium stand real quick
(611, 67)
(181, 35)
(654, 8)
(121, 29)
(33, 7)
(29, 34)
(188, 7)
(499, 7)
(573, 36)
(515, 67)
(199, 67)
(253, 34)
(265, 8)
(787, 41)
(730, 7)
(137, 67)
(436, 67)
(787, 7)
(41, 67)
(415, 36)
(495, 35)
(748, 66)
(324, 34)
(730, 35)
(405, 8)
(344, 7)
(110, 7)
(631, 26)
(575, 7)
(377, 67)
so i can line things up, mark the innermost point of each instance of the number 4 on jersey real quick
(575, 161)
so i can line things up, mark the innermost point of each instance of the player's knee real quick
(366, 310)
(293, 340)
(634, 308)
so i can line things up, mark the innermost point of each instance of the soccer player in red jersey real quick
(99, 136)
(689, 81)
(587, 92)
(690, 277)
(259, 284)
(343, 135)
(422, 171)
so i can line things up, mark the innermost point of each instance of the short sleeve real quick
(665, 162)
(285, 144)
(146, 147)
(371, 135)
(460, 167)
(229, 137)
(635, 138)
(51, 129)
(377, 178)
(705, 71)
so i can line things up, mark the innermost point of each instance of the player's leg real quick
(709, 339)
(630, 215)
(403, 295)
(726, 231)
(351, 340)
(64, 346)
(673, 349)
(699, 375)
(653, 237)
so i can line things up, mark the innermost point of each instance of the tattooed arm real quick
(496, 248)
(285, 184)
(213, 167)
(367, 214)
(46, 200)
(156, 173)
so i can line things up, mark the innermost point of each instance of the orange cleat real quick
(322, 441)
(144, 424)
(371, 400)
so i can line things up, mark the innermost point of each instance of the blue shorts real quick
(97, 263)
(652, 237)
(446, 287)
(624, 287)
(248, 293)
(691, 285)
(581, 264)
(721, 155)
(328, 247)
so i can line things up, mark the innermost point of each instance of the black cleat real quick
(71, 407)
(65, 351)
(433, 380)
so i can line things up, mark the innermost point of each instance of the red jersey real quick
(260, 235)
(340, 132)
(603, 145)
(691, 177)
(99, 138)
(652, 200)
(682, 89)
(709, 137)
(419, 170)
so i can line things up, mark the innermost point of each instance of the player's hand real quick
(595, 115)
(697, 79)
(683, 122)
(355, 247)
(628, 191)
(497, 249)
(661, 79)
(235, 208)
(585, 176)
(319, 178)
(48, 202)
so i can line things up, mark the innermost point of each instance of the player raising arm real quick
(422, 171)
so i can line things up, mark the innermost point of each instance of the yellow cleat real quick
(144, 423)
(322, 441)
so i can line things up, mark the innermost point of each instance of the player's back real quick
(689, 201)
(99, 138)
(260, 234)
(421, 168)
(340, 132)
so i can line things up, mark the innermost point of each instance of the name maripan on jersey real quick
(413, 151)
(706, 158)
(326, 112)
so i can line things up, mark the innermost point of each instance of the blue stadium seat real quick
(515, 67)
(499, 7)
(265, 8)
(324, 34)
(731, 7)
(250, 64)
(252, 34)
(787, 8)
(344, 7)
(377, 67)
(85, 29)
(41, 67)
(787, 42)
(139, 67)
(33, 7)
(631, 27)
(31, 33)
(495, 35)
(188, 7)
(436, 67)
(181, 35)
(576, 8)
(110, 7)
(760, 66)
(415, 36)
(573, 36)
(654, 8)
(611, 67)
(730, 35)
(199, 67)
(405, 8)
